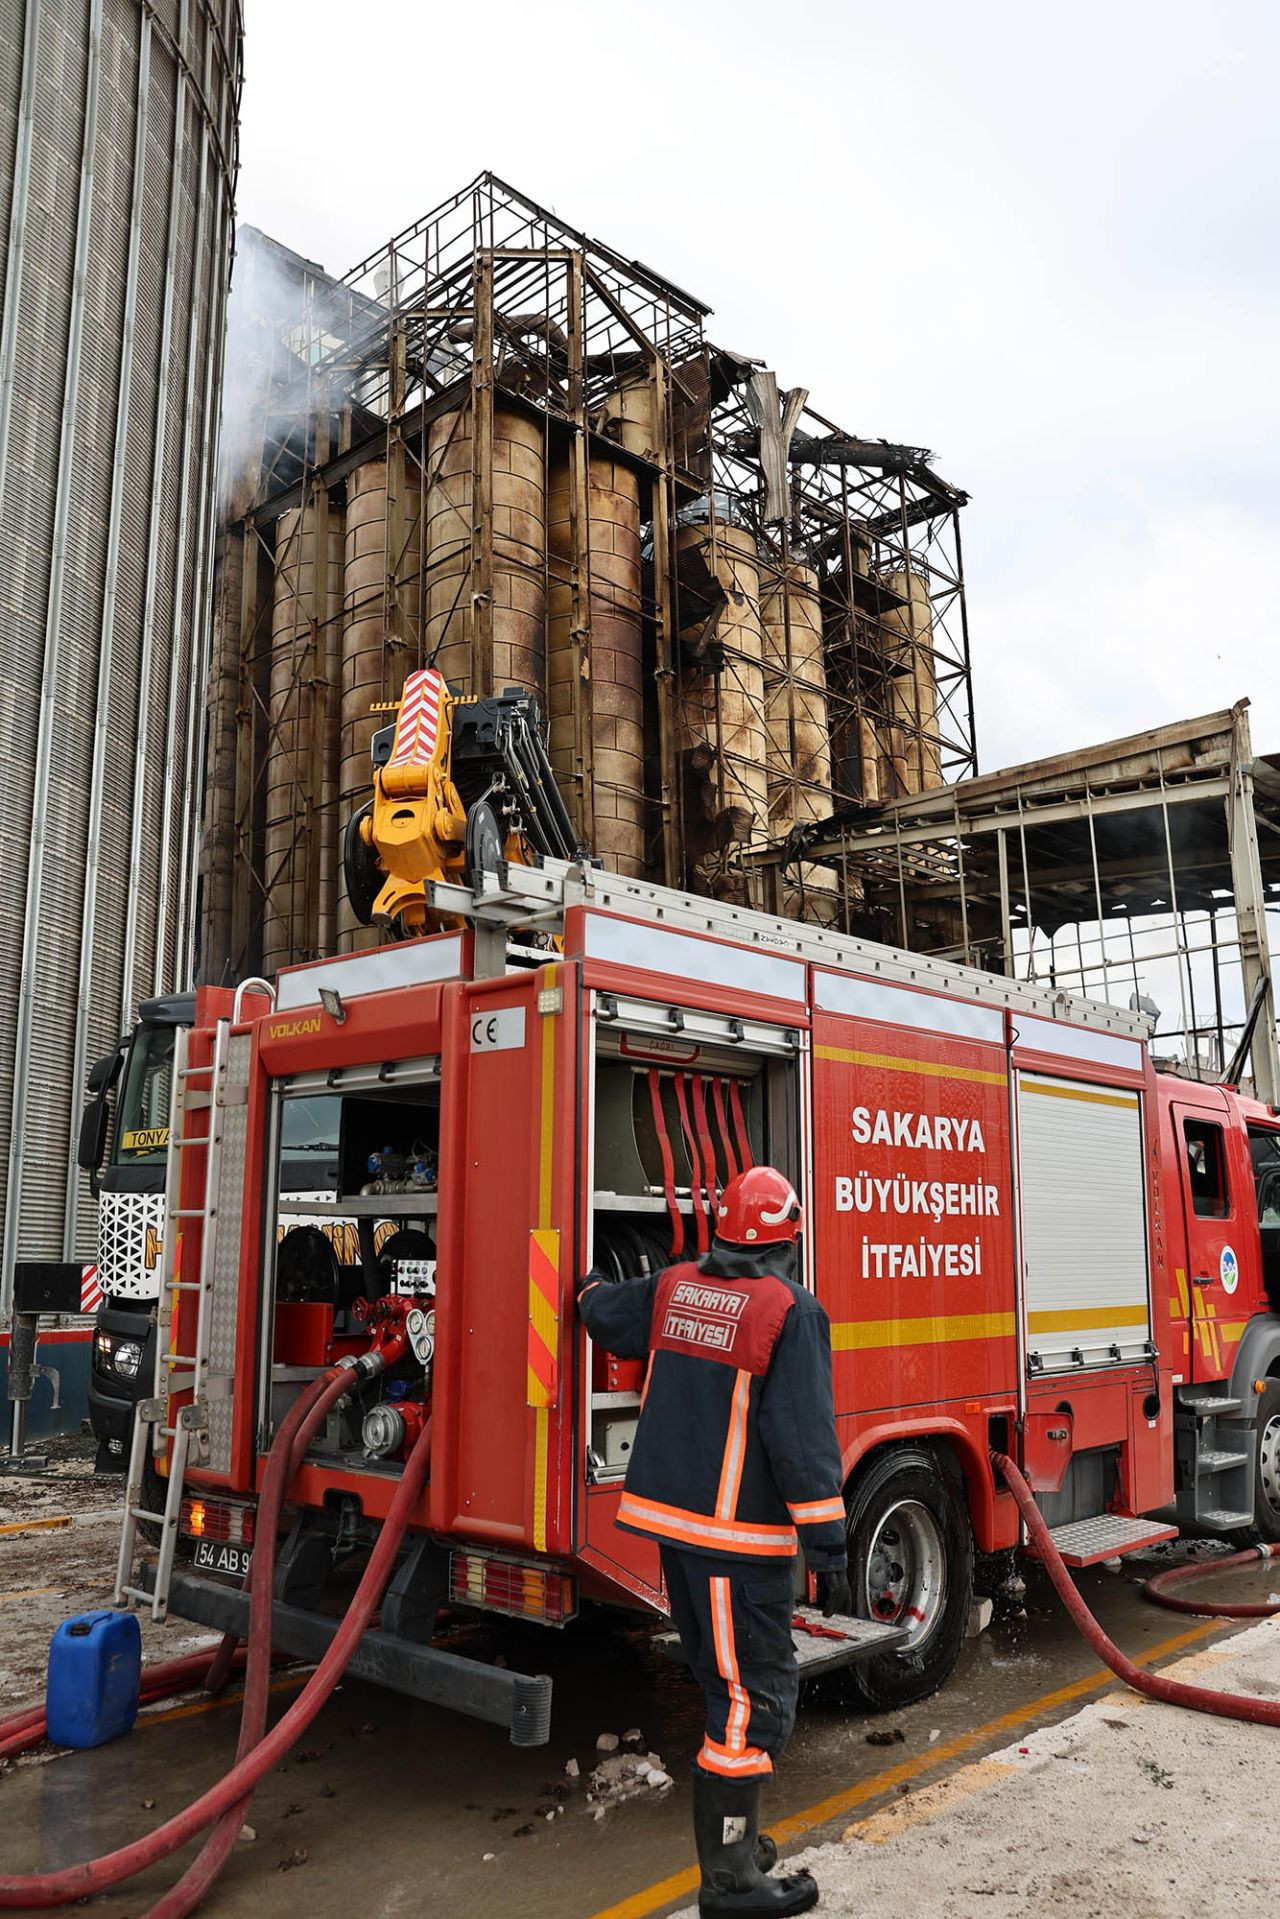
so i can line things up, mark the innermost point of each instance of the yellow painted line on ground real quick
(37, 1525)
(198, 1706)
(878, 1828)
(858, 1335)
(920, 1808)
(34, 1592)
(641, 1904)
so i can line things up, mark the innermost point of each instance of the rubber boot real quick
(726, 1825)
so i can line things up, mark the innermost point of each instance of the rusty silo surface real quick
(377, 647)
(118, 139)
(908, 635)
(869, 759)
(611, 695)
(518, 548)
(799, 750)
(724, 710)
(300, 859)
(628, 415)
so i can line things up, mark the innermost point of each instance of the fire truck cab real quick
(1025, 1240)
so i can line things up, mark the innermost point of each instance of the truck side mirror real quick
(104, 1072)
(93, 1134)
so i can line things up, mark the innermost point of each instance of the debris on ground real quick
(980, 1615)
(624, 1775)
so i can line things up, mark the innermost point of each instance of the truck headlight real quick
(128, 1358)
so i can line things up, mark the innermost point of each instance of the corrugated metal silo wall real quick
(118, 130)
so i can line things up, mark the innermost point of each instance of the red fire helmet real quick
(758, 1208)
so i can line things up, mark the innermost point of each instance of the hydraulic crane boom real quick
(459, 785)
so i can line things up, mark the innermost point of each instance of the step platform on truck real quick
(1087, 1542)
(821, 1644)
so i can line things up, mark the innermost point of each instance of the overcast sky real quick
(1040, 240)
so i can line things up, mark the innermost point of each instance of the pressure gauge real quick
(420, 1329)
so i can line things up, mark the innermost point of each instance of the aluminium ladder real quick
(192, 1089)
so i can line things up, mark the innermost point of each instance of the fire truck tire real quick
(910, 1561)
(1266, 1467)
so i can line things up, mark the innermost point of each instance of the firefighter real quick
(735, 1460)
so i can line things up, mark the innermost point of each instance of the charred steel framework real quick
(491, 308)
(1155, 853)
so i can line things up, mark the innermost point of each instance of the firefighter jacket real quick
(735, 1453)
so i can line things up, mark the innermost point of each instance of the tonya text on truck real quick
(1025, 1240)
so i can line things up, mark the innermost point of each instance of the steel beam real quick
(1251, 914)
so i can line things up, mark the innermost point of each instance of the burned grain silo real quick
(501, 448)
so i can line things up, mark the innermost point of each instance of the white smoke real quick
(264, 377)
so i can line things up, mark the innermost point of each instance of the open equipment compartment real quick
(680, 1102)
(330, 1255)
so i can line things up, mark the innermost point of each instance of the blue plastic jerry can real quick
(95, 1671)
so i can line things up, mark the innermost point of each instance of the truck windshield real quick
(142, 1121)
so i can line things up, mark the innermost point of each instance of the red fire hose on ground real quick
(26, 1729)
(1157, 1589)
(1174, 1692)
(226, 1802)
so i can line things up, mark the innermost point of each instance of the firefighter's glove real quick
(834, 1594)
(595, 1278)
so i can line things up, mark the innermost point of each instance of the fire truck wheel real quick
(911, 1564)
(1266, 1477)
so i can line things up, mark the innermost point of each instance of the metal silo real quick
(607, 787)
(796, 711)
(723, 710)
(908, 633)
(117, 161)
(517, 656)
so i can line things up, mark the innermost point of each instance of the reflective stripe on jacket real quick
(735, 1452)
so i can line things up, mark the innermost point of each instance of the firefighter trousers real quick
(734, 1621)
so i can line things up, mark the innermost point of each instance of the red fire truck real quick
(1026, 1240)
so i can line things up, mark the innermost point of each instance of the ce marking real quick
(497, 1032)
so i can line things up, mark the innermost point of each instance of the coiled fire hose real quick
(227, 1800)
(1157, 1589)
(1174, 1692)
